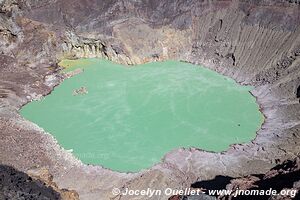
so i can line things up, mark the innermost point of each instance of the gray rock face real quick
(254, 42)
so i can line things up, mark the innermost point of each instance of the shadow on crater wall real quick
(218, 183)
(281, 177)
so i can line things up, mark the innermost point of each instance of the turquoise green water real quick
(132, 116)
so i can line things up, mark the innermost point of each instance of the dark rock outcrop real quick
(18, 185)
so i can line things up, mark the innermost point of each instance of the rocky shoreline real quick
(254, 42)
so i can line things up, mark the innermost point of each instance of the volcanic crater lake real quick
(127, 118)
